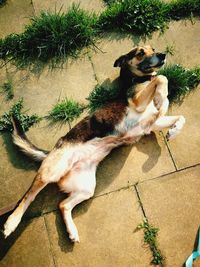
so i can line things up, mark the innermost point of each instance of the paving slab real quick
(183, 37)
(14, 15)
(185, 148)
(55, 5)
(28, 246)
(172, 204)
(106, 226)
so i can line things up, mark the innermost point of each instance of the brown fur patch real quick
(99, 124)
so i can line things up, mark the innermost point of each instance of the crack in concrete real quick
(50, 244)
(170, 153)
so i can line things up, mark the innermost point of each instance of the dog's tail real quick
(21, 141)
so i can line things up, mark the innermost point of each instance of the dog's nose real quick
(161, 56)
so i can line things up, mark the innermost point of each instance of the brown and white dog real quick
(139, 109)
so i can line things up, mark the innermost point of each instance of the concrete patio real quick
(153, 178)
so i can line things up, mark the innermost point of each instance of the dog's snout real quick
(161, 56)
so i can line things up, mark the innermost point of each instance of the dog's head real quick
(141, 61)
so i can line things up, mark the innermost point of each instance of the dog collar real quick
(137, 79)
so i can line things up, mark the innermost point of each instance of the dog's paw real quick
(171, 134)
(74, 237)
(11, 224)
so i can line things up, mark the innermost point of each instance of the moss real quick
(25, 120)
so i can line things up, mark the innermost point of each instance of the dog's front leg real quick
(160, 98)
(175, 123)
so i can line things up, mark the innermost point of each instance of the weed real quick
(7, 89)
(170, 49)
(65, 111)
(51, 37)
(181, 81)
(150, 235)
(101, 95)
(134, 16)
(25, 120)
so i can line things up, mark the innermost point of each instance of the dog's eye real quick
(140, 54)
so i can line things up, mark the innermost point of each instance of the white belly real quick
(132, 120)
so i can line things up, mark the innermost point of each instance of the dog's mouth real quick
(160, 64)
(150, 63)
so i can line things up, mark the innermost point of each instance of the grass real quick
(25, 120)
(101, 95)
(181, 81)
(54, 37)
(51, 37)
(179, 9)
(150, 235)
(65, 111)
(7, 89)
(134, 16)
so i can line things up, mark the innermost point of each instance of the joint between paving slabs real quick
(170, 153)
(50, 244)
(93, 68)
(33, 7)
(140, 201)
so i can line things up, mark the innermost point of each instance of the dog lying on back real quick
(139, 109)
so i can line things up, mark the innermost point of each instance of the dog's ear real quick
(120, 62)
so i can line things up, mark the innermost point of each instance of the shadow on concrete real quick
(17, 158)
(153, 156)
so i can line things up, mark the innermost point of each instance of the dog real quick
(139, 109)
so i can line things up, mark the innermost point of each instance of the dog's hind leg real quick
(66, 207)
(81, 184)
(175, 123)
(15, 218)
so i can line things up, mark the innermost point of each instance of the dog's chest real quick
(133, 118)
(129, 120)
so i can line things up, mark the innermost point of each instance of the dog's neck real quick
(142, 79)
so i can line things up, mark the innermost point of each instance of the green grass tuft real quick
(65, 111)
(134, 16)
(181, 81)
(7, 89)
(51, 37)
(54, 37)
(179, 9)
(150, 235)
(25, 120)
(100, 96)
